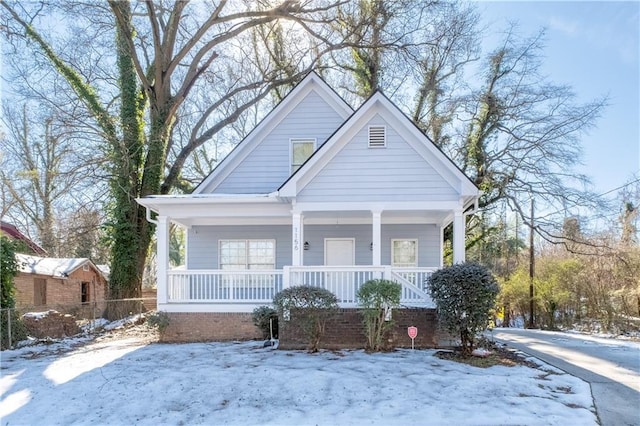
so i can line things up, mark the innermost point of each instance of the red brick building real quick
(63, 284)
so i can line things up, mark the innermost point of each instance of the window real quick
(301, 150)
(85, 293)
(247, 254)
(404, 253)
(377, 136)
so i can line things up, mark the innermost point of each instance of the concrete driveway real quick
(611, 366)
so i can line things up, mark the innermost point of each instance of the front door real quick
(339, 252)
(39, 291)
(340, 281)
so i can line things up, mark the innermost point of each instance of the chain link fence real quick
(58, 320)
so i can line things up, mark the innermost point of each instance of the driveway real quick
(612, 367)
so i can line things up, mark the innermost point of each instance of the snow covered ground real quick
(124, 381)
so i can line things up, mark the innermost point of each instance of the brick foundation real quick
(345, 330)
(209, 326)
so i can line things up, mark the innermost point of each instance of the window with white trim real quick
(247, 254)
(377, 136)
(404, 253)
(301, 150)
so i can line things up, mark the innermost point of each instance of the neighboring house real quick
(14, 233)
(68, 285)
(316, 194)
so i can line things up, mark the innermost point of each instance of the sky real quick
(125, 381)
(595, 48)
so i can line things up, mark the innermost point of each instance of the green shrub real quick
(159, 319)
(316, 305)
(464, 294)
(8, 271)
(265, 317)
(376, 297)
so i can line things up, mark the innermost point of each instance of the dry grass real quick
(499, 356)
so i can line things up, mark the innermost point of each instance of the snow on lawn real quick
(123, 382)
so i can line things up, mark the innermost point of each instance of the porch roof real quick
(269, 209)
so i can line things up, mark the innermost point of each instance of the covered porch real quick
(336, 246)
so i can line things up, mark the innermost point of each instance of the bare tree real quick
(163, 51)
(43, 167)
(522, 136)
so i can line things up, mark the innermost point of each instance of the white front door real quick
(340, 252)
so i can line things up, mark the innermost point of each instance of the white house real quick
(316, 194)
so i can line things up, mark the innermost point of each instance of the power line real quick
(619, 188)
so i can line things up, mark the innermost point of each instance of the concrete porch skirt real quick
(343, 330)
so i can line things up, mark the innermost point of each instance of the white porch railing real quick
(206, 286)
(258, 286)
(343, 281)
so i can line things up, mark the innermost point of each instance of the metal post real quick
(9, 327)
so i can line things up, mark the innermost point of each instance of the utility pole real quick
(531, 269)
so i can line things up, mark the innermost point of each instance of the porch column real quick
(297, 239)
(458, 237)
(162, 229)
(376, 236)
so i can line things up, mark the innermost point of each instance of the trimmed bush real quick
(377, 297)
(317, 304)
(159, 319)
(265, 317)
(464, 294)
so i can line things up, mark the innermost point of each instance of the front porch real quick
(244, 290)
(242, 250)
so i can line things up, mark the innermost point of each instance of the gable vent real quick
(377, 137)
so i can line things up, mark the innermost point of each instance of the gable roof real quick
(311, 82)
(52, 267)
(15, 234)
(415, 137)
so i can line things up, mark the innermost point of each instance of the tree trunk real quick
(130, 230)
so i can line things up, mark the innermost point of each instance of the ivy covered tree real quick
(8, 271)
(158, 57)
(464, 295)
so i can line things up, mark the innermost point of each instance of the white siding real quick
(268, 165)
(394, 173)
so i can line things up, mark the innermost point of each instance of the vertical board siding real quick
(203, 243)
(394, 173)
(268, 165)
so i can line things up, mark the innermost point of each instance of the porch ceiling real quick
(317, 218)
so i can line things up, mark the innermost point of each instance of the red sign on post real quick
(413, 332)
